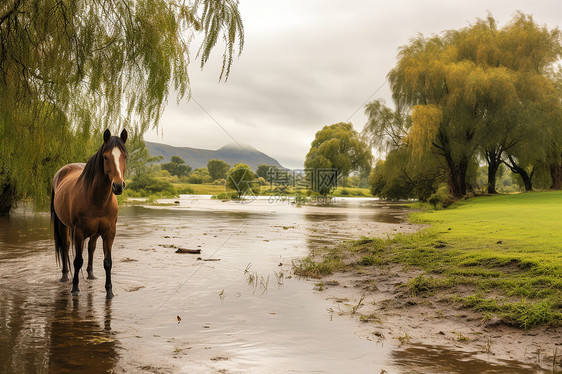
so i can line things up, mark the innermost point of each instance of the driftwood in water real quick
(185, 250)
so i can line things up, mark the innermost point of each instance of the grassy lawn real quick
(500, 255)
(351, 192)
(199, 189)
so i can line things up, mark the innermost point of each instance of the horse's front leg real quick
(107, 263)
(91, 250)
(78, 260)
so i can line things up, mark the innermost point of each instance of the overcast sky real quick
(311, 63)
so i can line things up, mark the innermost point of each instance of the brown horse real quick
(83, 205)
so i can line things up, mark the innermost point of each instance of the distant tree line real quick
(337, 147)
(148, 177)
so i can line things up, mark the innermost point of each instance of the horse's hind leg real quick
(78, 260)
(91, 250)
(65, 247)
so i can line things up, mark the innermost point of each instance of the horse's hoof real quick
(109, 295)
(75, 291)
(64, 277)
(92, 276)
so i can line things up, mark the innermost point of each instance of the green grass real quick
(330, 263)
(499, 255)
(199, 189)
(351, 192)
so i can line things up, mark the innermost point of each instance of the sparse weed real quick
(369, 318)
(280, 277)
(461, 337)
(248, 268)
(404, 339)
(259, 281)
(264, 283)
(353, 308)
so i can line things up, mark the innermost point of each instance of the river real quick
(241, 310)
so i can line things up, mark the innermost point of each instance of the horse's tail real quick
(56, 226)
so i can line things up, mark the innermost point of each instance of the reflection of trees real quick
(321, 228)
(21, 230)
(328, 225)
(54, 332)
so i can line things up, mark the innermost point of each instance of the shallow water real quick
(243, 313)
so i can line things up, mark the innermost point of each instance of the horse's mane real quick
(95, 163)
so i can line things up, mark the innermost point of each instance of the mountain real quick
(198, 158)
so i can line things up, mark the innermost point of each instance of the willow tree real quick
(385, 129)
(139, 160)
(553, 117)
(335, 151)
(402, 174)
(467, 90)
(69, 68)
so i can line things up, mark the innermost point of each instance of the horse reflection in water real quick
(49, 332)
(83, 205)
(79, 341)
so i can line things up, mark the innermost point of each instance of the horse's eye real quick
(105, 157)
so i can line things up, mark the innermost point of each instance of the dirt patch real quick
(378, 296)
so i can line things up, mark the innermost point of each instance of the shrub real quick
(195, 179)
(243, 180)
(145, 185)
(441, 197)
(225, 196)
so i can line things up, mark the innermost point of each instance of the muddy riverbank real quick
(381, 303)
(242, 312)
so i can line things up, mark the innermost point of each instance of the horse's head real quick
(115, 160)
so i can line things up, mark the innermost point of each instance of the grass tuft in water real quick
(330, 262)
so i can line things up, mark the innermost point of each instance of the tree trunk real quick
(8, 196)
(493, 158)
(492, 170)
(527, 179)
(556, 174)
(457, 178)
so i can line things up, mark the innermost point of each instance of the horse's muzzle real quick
(118, 188)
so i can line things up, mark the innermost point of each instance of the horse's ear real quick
(124, 135)
(106, 135)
